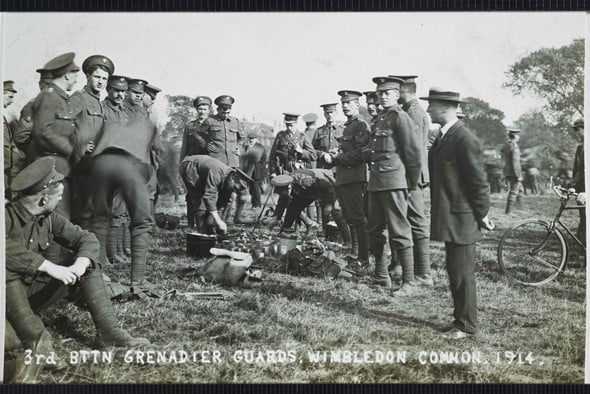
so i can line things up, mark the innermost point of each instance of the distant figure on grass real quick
(512, 168)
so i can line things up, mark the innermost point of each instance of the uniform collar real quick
(352, 119)
(23, 214)
(90, 92)
(56, 89)
(112, 106)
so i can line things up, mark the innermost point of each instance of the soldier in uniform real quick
(372, 105)
(494, 169)
(133, 103)
(150, 93)
(195, 140)
(351, 176)
(121, 161)
(113, 113)
(512, 168)
(416, 209)
(460, 202)
(310, 120)
(289, 152)
(210, 184)
(86, 104)
(325, 139)
(14, 157)
(395, 166)
(33, 281)
(226, 136)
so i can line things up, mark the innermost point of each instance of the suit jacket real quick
(578, 173)
(460, 194)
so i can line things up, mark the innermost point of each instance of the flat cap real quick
(290, 117)
(98, 60)
(443, 95)
(152, 90)
(349, 95)
(225, 100)
(282, 180)
(36, 176)
(406, 78)
(201, 100)
(137, 85)
(579, 123)
(118, 82)
(330, 107)
(310, 118)
(61, 64)
(9, 87)
(388, 83)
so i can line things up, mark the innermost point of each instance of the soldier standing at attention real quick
(326, 137)
(460, 201)
(512, 169)
(14, 158)
(416, 211)
(289, 152)
(351, 176)
(86, 104)
(395, 166)
(133, 103)
(226, 135)
(195, 141)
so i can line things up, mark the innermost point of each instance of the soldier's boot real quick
(139, 251)
(363, 242)
(126, 234)
(406, 259)
(422, 271)
(342, 228)
(108, 333)
(380, 276)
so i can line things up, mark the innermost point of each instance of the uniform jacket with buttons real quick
(195, 138)
(460, 194)
(326, 138)
(350, 164)
(283, 154)
(225, 138)
(394, 152)
(420, 117)
(27, 237)
(134, 111)
(114, 113)
(89, 114)
(511, 153)
(54, 128)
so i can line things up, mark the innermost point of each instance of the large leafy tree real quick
(484, 121)
(556, 76)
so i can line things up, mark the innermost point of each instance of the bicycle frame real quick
(564, 207)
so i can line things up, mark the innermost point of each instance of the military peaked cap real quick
(9, 87)
(36, 176)
(137, 85)
(118, 82)
(98, 60)
(224, 100)
(310, 118)
(201, 100)
(152, 90)
(60, 65)
(349, 95)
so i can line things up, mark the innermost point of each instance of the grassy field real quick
(281, 331)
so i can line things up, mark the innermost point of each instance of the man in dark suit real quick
(460, 200)
(578, 175)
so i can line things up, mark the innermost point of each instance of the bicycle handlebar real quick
(564, 193)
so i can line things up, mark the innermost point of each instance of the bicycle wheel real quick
(532, 253)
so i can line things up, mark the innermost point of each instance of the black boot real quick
(363, 241)
(97, 301)
(422, 270)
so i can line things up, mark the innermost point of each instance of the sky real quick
(290, 62)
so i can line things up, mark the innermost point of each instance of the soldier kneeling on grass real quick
(210, 184)
(33, 282)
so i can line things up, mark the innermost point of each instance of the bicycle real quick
(534, 251)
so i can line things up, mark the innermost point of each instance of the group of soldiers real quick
(368, 177)
(74, 163)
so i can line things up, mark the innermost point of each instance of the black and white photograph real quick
(294, 197)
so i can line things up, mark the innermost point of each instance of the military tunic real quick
(89, 120)
(395, 166)
(512, 171)
(54, 128)
(195, 138)
(283, 155)
(114, 113)
(205, 177)
(134, 111)
(225, 137)
(326, 138)
(420, 117)
(14, 158)
(27, 237)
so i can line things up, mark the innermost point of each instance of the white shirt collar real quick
(447, 126)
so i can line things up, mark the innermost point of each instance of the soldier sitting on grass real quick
(33, 282)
